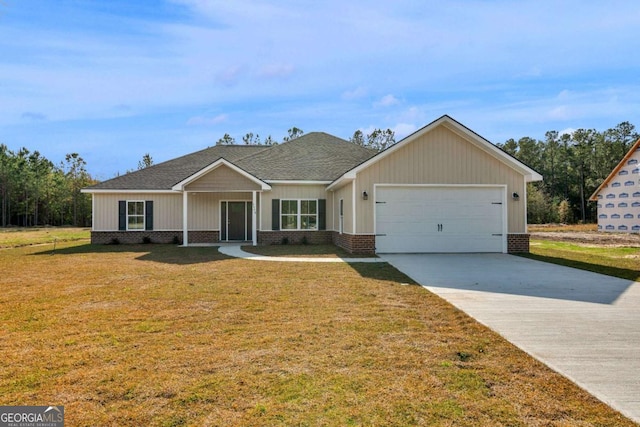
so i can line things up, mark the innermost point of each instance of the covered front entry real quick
(236, 221)
(423, 219)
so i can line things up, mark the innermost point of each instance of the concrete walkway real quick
(237, 252)
(585, 326)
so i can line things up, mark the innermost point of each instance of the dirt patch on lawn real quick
(590, 238)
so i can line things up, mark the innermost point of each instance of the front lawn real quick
(159, 335)
(623, 262)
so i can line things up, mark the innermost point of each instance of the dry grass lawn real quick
(157, 335)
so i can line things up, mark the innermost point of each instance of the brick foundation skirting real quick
(518, 243)
(203, 236)
(352, 243)
(133, 237)
(355, 243)
(294, 237)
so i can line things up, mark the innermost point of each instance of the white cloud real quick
(387, 101)
(567, 131)
(215, 55)
(207, 121)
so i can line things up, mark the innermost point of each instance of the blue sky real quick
(113, 80)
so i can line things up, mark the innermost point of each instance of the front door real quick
(236, 221)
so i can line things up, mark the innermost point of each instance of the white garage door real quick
(439, 219)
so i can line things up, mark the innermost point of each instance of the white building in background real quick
(618, 196)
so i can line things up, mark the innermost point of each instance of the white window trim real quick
(298, 215)
(144, 215)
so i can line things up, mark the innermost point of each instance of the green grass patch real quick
(16, 237)
(612, 261)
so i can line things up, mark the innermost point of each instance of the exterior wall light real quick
(365, 196)
(515, 196)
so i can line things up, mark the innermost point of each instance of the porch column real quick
(185, 218)
(254, 217)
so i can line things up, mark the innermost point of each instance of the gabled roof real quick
(615, 170)
(220, 162)
(164, 176)
(481, 143)
(314, 157)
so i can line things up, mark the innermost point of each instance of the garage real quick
(446, 219)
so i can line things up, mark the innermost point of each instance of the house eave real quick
(120, 191)
(180, 186)
(343, 180)
(295, 182)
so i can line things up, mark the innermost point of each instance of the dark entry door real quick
(236, 221)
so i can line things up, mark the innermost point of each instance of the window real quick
(289, 216)
(308, 214)
(135, 215)
(341, 216)
(299, 214)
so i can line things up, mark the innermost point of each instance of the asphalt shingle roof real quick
(316, 156)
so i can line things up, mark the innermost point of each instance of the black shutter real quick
(275, 214)
(148, 215)
(122, 215)
(223, 221)
(322, 214)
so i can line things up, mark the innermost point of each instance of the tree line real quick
(377, 139)
(573, 165)
(35, 191)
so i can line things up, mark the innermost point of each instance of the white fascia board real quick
(113, 191)
(180, 186)
(294, 182)
(343, 180)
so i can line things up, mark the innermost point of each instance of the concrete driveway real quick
(585, 326)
